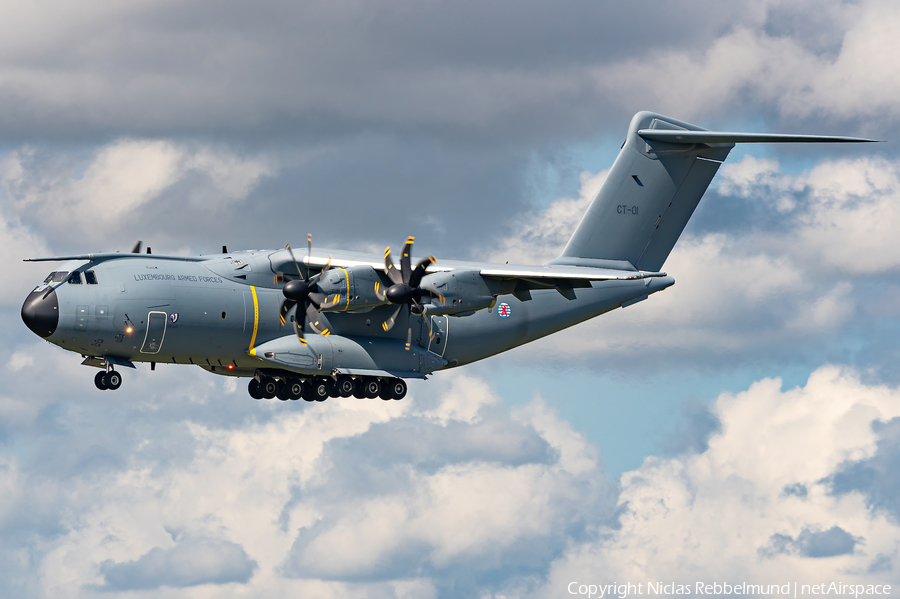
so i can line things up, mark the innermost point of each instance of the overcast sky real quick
(742, 426)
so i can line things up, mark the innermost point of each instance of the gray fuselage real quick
(214, 313)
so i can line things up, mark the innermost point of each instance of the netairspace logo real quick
(791, 589)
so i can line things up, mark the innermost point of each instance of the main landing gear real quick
(109, 379)
(321, 388)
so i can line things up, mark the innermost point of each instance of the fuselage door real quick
(156, 331)
(440, 327)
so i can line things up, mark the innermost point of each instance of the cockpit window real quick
(59, 276)
(49, 277)
(75, 278)
(90, 278)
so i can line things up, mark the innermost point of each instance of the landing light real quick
(231, 367)
(129, 326)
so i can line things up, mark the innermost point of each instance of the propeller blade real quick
(297, 264)
(388, 324)
(313, 318)
(280, 278)
(298, 331)
(317, 298)
(137, 247)
(389, 269)
(408, 337)
(405, 266)
(286, 306)
(419, 272)
(381, 297)
(309, 248)
(427, 320)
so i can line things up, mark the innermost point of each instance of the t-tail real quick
(655, 184)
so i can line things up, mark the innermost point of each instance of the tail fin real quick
(655, 184)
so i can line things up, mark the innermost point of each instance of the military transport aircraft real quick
(336, 323)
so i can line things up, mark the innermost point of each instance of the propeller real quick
(303, 291)
(405, 289)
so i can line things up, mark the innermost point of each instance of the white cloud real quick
(20, 360)
(728, 297)
(190, 562)
(18, 242)
(721, 515)
(843, 214)
(324, 494)
(398, 498)
(123, 191)
(542, 235)
(747, 288)
(777, 70)
(122, 183)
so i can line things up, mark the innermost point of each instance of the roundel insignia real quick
(504, 310)
(173, 317)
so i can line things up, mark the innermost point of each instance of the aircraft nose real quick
(40, 313)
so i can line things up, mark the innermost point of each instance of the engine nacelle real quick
(461, 292)
(352, 289)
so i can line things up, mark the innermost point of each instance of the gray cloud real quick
(507, 70)
(697, 424)
(190, 562)
(875, 477)
(815, 544)
(402, 474)
(370, 122)
(796, 489)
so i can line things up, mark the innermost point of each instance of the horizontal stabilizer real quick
(724, 137)
(663, 169)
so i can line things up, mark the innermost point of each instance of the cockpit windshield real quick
(49, 277)
(58, 276)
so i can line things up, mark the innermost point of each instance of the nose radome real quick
(41, 314)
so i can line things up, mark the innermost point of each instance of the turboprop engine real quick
(457, 293)
(355, 289)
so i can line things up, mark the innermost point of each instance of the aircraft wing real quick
(521, 280)
(103, 256)
(570, 273)
(544, 276)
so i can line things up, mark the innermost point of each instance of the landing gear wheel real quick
(254, 390)
(295, 389)
(372, 388)
(398, 388)
(333, 390)
(281, 391)
(99, 382)
(319, 389)
(112, 380)
(344, 386)
(268, 387)
(308, 393)
(359, 388)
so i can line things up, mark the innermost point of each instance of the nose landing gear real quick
(111, 380)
